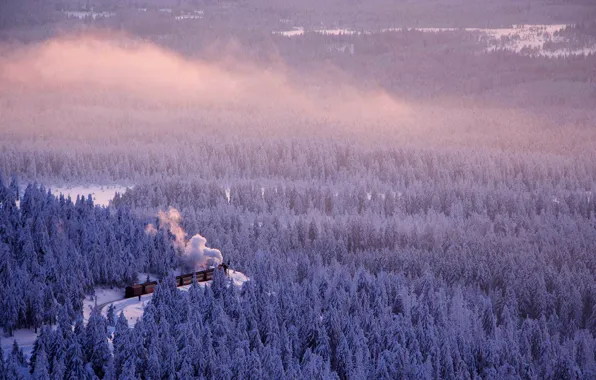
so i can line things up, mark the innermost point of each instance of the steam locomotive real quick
(184, 279)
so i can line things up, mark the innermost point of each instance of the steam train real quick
(184, 279)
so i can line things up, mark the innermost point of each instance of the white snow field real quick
(101, 194)
(24, 337)
(132, 308)
(102, 297)
(522, 39)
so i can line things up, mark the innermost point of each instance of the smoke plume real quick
(195, 253)
(198, 255)
(171, 220)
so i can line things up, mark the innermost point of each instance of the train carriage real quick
(137, 290)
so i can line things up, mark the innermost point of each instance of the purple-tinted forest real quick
(408, 189)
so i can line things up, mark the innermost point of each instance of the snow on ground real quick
(189, 17)
(142, 277)
(238, 278)
(101, 194)
(24, 337)
(82, 15)
(103, 296)
(522, 39)
(132, 308)
(531, 37)
(298, 31)
(295, 31)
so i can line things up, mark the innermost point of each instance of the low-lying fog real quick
(124, 92)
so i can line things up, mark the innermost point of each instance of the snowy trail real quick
(131, 307)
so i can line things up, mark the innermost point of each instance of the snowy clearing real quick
(102, 194)
(102, 297)
(521, 39)
(82, 15)
(24, 337)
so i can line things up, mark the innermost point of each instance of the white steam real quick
(198, 255)
(195, 252)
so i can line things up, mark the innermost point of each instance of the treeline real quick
(308, 160)
(407, 63)
(427, 65)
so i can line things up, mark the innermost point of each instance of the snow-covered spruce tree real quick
(111, 316)
(74, 361)
(2, 365)
(42, 367)
(95, 347)
(121, 343)
(15, 366)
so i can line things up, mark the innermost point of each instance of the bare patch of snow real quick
(103, 296)
(142, 276)
(238, 278)
(101, 194)
(228, 194)
(521, 39)
(189, 17)
(131, 307)
(24, 337)
(298, 31)
(88, 14)
(295, 31)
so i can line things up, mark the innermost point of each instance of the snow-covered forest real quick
(412, 199)
(384, 263)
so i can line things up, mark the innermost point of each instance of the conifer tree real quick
(2, 365)
(74, 361)
(42, 366)
(96, 348)
(111, 316)
(16, 366)
(128, 370)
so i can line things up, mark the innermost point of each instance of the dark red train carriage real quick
(185, 279)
